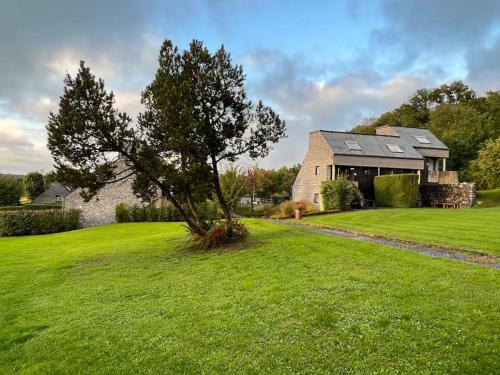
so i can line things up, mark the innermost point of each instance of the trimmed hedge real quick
(25, 222)
(396, 190)
(208, 211)
(33, 207)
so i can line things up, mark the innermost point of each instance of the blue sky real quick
(320, 64)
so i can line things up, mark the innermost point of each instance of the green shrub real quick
(10, 191)
(137, 213)
(339, 194)
(24, 222)
(396, 190)
(33, 207)
(219, 233)
(121, 213)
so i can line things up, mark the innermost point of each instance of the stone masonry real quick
(101, 208)
(307, 182)
(462, 194)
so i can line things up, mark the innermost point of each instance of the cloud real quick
(20, 149)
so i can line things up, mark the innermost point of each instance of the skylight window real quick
(353, 145)
(393, 147)
(422, 139)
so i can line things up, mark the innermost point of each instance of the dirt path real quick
(434, 251)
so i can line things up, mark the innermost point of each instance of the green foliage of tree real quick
(486, 168)
(10, 191)
(232, 183)
(463, 129)
(196, 116)
(34, 184)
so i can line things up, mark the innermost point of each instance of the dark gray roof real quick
(55, 192)
(371, 145)
(408, 134)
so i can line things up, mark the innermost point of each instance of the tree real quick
(486, 168)
(233, 185)
(10, 191)
(196, 116)
(463, 129)
(34, 184)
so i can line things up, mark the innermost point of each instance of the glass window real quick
(316, 170)
(422, 139)
(393, 147)
(316, 198)
(352, 145)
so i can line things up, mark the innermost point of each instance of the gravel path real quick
(434, 251)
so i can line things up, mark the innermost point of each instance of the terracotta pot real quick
(298, 214)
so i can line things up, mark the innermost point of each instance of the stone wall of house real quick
(307, 183)
(462, 194)
(101, 208)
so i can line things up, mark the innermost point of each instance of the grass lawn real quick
(130, 298)
(467, 229)
(488, 198)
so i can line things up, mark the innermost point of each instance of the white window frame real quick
(317, 170)
(422, 139)
(316, 198)
(396, 149)
(353, 145)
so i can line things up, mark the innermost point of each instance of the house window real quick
(352, 145)
(316, 198)
(316, 170)
(422, 139)
(393, 147)
(329, 169)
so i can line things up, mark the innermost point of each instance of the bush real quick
(219, 233)
(10, 191)
(121, 213)
(277, 198)
(33, 207)
(339, 194)
(167, 212)
(24, 222)
(396, 190)
(287, 209)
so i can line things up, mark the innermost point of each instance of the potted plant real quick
(299, 207)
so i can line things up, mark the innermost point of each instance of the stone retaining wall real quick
(462, 194)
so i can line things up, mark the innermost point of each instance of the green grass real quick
(466, 229)
(130, 298)
(488, 198)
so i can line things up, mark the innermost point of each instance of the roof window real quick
(393, 147)
(352, 145)
(422, 139)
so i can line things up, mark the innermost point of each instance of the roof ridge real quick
(341, 132)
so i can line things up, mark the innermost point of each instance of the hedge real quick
(31, 207)
(207, 210)
(396, 190)
(25, 222)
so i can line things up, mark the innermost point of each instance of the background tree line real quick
(31, 186)
(467, 123)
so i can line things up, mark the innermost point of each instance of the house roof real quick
(55, 191)
(380, 145)
(410, 134)
(371, 145)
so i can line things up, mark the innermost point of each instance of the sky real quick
(319, 64)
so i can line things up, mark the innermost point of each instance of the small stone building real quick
(56, 192)
(101, 208)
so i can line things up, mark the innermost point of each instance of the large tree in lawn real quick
(196, 116)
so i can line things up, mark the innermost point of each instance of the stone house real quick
(361, 157)
(101, 208)
(56, 192)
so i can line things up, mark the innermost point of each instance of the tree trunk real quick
(195, 227)
(194, 211)
(218, 192)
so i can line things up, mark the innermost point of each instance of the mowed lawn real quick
(131, 298)
(467, 229)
